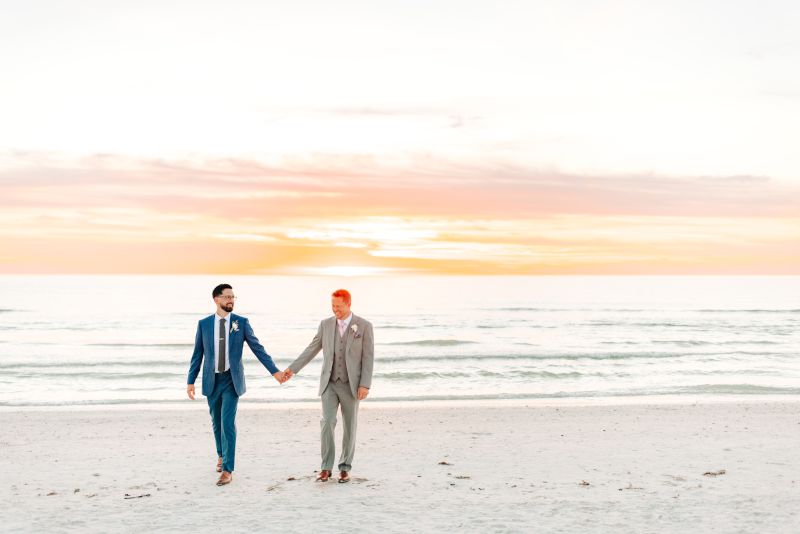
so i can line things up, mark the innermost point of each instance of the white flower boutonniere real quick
(235, 326)
(354, 328)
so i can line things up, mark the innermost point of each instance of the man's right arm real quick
(194, 364)
(307, 355)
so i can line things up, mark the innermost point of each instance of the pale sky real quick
(435, 109)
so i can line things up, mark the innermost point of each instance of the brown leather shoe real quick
(219, 465)
(344, 476)
(224, 478)
(324, 475)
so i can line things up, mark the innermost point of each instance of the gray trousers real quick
(338, 393)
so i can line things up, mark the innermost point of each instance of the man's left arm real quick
(367, 356)
(258, 349)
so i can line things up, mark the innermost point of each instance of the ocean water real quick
(109, 340)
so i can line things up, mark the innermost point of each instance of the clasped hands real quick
(283, 376)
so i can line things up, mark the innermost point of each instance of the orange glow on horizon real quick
(110, 220)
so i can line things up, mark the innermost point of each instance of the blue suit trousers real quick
(222, 404)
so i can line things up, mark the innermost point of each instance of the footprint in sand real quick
(353, 480)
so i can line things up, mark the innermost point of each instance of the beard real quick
(228, 307)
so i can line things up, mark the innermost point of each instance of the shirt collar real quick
(345, 321)
(217, 317)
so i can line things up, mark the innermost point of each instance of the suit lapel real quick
(234, 340)
(350, 334)
(232, 319)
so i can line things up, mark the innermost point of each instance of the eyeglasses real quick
(227, 297)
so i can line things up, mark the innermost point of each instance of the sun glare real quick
(348, 270)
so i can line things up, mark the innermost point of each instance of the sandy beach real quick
(706, 467)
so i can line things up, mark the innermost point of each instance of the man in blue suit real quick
(218, 348)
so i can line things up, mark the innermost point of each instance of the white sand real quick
(514, 469)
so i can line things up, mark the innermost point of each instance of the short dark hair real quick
(219, 289)
(344, 295)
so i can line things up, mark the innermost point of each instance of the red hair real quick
(344, 295)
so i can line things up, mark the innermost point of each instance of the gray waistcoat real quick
(339, 371)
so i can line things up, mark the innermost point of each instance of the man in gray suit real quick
(347, 347)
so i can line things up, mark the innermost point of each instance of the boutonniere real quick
(354, 328)
(235, 326)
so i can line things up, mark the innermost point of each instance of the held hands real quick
(283, 376)
(287, 374)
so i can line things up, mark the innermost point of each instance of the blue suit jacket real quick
(204, 352)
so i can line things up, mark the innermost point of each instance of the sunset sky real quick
(376, 137)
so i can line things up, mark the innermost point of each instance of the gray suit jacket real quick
(359, 352)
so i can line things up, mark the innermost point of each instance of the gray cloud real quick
(419, 184)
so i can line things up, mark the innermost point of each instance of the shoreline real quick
(244, 403)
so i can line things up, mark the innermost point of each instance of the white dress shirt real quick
(227, 342)
(343, 324)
